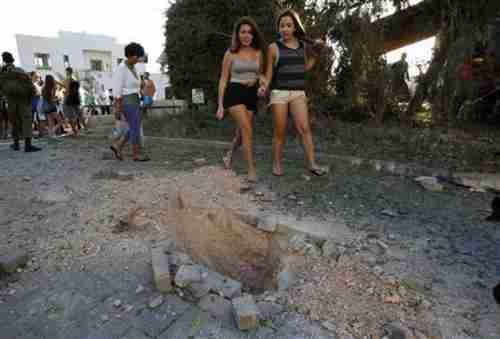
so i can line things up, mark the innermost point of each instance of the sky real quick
(125, 20)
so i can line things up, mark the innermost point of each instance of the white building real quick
(88, 54)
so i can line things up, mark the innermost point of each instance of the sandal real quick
(143, 158)
(116, 153)
(318, 171)
(227, 162)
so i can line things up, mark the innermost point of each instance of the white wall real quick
(80, 47)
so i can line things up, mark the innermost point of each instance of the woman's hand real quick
(118, 106)
(261, 92)
(249, 83)
(220, 113)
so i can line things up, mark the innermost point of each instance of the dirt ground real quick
(429, 265)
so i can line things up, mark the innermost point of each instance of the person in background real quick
(148, 92)
(19, 104)
(111, 98)
(72, 101)
(4, 118)
(127, 101)
(50, 106)
(35, 101)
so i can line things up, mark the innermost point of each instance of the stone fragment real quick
(189, 274)
(218, 307)
(215, 282)
(179, 259)
(161, 271)
(117, 303)
(200, 161)
(139, 289)
(286, 279)
(156, 302)
(330, 326)
(268, 223)
(11, 262)
(430, 183)
(330, 249)
(390, 213)
(246, 312)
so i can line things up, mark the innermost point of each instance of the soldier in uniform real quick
(19, 105)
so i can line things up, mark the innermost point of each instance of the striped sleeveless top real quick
(289, 71)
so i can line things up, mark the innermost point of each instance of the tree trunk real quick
(430, 78)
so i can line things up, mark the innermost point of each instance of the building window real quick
(96, 65)
(42, 61)
(119, 61)
(66, 61)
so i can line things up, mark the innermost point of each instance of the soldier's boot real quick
(28, 147)
(15, 145)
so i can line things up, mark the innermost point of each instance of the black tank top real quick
(289, 72)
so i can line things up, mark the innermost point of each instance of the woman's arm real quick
(224, 78)
(311, 60)
(272, 53)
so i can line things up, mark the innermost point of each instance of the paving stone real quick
(217, 283)
(154, 321)
(188, 274)
(156, 302)
(161, 270)
(218, 307)
(9, 263)
(179, 259)
(246, 312)
(268, 310)
(194, 323)
(268, 223)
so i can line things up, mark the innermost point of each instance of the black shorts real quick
(238, 94)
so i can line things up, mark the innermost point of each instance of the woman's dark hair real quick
(134, 49)
(300, 31)
(48, 88)
(257, 40)
(7, 58)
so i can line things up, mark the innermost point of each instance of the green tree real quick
(198, 32)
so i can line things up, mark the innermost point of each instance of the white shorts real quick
(279, 96)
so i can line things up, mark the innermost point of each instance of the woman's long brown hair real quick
(48, 88)
(257, 40)
(300, 31)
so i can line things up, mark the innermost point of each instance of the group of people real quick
(250, 71)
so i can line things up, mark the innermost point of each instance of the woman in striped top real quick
(287, 63)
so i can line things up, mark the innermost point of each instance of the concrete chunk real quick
(246, 312)
(161, 270)
(268, 223)
(11, 262)
(189, 274)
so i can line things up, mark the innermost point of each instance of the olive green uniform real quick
(19, 112)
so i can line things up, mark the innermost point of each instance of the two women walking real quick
(245, 76)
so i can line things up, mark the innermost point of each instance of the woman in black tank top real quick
(287, 63)
(241, 69)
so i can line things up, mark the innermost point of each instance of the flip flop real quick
(227, 162)
(143, 159)
(319, 171)
(278, 175)
(115, 151)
